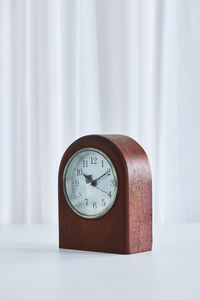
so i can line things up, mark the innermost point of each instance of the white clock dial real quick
(90, 183)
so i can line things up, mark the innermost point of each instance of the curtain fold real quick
(71, 68)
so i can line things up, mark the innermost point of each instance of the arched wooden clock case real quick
(127, 226)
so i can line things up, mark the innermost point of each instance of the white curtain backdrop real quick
(71, 68)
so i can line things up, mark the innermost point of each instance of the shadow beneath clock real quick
(71, 253)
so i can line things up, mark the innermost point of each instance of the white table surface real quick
(33, 267)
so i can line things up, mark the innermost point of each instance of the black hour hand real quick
(88, 178)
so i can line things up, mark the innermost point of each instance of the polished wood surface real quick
(127, 227)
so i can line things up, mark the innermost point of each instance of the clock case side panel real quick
(139, 212)
(105, 234)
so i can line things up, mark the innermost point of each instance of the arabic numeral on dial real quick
(76, 182)
(102, 163)
(94, 205)
(108, 171)
(78, 195)
(103, 203)
(112, 182)
(85, 163)
(79, 172)
(93, 160)
(109, 194)
(86, 202)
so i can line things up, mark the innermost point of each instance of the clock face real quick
(90, 183)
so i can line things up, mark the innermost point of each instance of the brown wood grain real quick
(127, 227)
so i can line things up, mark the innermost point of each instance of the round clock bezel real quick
(115, 190)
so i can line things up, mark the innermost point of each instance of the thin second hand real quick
(101, 190)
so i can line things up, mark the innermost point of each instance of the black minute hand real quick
(94, 182)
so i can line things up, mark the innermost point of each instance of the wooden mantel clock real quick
(105, 196)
